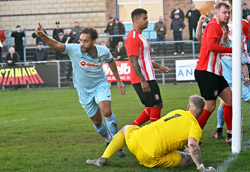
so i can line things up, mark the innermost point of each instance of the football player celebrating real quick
(89, 79)
(208, 71)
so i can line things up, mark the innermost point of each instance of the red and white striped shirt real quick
(137, 45)
(210, 52)
(246, 34)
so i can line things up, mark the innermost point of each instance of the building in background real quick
(94, 13)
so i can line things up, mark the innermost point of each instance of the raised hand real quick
(39, 30)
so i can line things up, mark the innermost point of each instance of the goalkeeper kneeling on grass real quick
(162, 143)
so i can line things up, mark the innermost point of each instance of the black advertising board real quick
(38, 74)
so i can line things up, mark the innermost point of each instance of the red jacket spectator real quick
(2, 38)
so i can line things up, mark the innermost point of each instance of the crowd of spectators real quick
(116, 31)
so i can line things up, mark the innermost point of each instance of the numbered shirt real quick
(169, 133)
(87, 70)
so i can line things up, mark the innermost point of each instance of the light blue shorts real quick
(89, 101)
(245, 93)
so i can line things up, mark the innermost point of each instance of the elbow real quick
(210, 47)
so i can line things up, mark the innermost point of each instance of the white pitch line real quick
(226, 164)
(14, 120)
(36, 119)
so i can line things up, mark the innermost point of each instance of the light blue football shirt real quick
(87, 70)
(227, 65)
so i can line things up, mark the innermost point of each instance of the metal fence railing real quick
(171, 42)
(62, 65)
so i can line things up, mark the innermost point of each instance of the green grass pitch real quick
(46, 130)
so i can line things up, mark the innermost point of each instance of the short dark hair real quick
(220, 4)
(90, 30)
(137, 12)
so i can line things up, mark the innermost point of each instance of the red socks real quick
(155, 114)
(144, 117)
(204, 117)
(228, 116)
(152, 113)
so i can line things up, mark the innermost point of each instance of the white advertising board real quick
(185, 69)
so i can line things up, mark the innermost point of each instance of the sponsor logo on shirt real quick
(90, 65)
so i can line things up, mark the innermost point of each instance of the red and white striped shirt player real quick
(137, 45)
(210, 52)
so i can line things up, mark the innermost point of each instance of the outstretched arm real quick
(196, 155)
(120, 84)
(49, 41)
(215, 47)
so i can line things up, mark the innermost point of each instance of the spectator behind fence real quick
(38, 39)
(161, 30)
(40, 54)
(193, 16)
(76, 32)
(245, 11)
(59, 54)
(2, 38)
(57, 30)
(177, 26)
(18, 35)
(12, 57)
(62, 56)
(177, 10)
(120, 52)
(69, 38)
(108, 28)
(104, 43)
(117, 29)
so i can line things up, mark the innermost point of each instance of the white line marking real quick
(226, 164)
(35, 119)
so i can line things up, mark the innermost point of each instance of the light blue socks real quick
(102, 130)
(112, 125)
(220, 117)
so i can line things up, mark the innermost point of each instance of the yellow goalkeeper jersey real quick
(169, 133)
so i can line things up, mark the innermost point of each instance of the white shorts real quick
(89, 101)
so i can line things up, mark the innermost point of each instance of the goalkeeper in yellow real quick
(162, 143)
